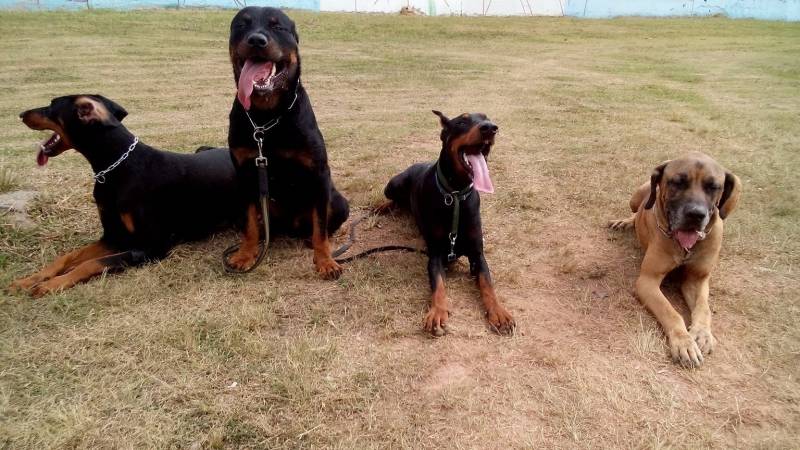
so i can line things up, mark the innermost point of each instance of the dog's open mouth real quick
(688, 238)
(475, 161)
(47, 148)
(260, 78)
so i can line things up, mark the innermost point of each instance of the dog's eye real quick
(711, 187)
(278, 27)
(245, 22)
(677, 183)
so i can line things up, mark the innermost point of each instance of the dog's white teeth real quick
(272, 74)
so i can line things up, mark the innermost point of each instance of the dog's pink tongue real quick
(250, 73)
(687, 239)
(41, 158)
(480, 173)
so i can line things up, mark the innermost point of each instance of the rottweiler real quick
(148, 199)
(678, 217)
(444, 200)
(303, 200)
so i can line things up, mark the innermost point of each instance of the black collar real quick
(449, 193)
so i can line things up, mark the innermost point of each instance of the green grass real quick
(586, 109)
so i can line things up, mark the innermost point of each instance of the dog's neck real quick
(287, 105)
(103, 148)
(456, 179)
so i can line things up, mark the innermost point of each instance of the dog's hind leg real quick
(639, 196)
(63, 264)
(89, 269)
(398, 189)
(397, 194)
(340, 210)
(622, 224)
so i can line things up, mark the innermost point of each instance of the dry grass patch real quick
(180, 354)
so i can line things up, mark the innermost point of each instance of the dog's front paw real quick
(244, 258)
(328, 269)
(704, 339)
(500, 320)
(684, 350)
(47, 287)
(436, 321)
(24, 284)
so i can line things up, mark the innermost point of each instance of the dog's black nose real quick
(695, 213)
(257, 40)
(488, 128)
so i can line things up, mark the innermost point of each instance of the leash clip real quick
(261, 161)
(448, 199)
(100, 179)
(452, 255)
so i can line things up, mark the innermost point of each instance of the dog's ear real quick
(88, 111)
(442, 118)
(113, 107)
(655, 179)
(730, 195)
(98, 110)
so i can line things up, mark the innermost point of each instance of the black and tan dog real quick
(678, 218)
(303, 200)
(445, 203)
(148, 199)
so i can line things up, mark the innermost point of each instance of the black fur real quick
(416, 189)
(171, 197)
(299, 175)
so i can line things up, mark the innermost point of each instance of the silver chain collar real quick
(100, 177)
(259, 131)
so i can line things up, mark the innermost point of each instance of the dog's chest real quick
(290, 177)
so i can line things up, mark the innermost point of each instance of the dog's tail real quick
(203, 148)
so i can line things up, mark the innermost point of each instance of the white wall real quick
(451, 7)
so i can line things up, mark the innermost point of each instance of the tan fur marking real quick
(63, 264)
(127, 221)
(471, 137)
(82, 272)
(497, 315)
(98, 110)
(326, 266)
(436, 318)
(245, 257)
(243, 154)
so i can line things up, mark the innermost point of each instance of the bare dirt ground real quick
(179, 354)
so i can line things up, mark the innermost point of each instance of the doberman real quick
(148, 199)
(271, 99)
(445, 203)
